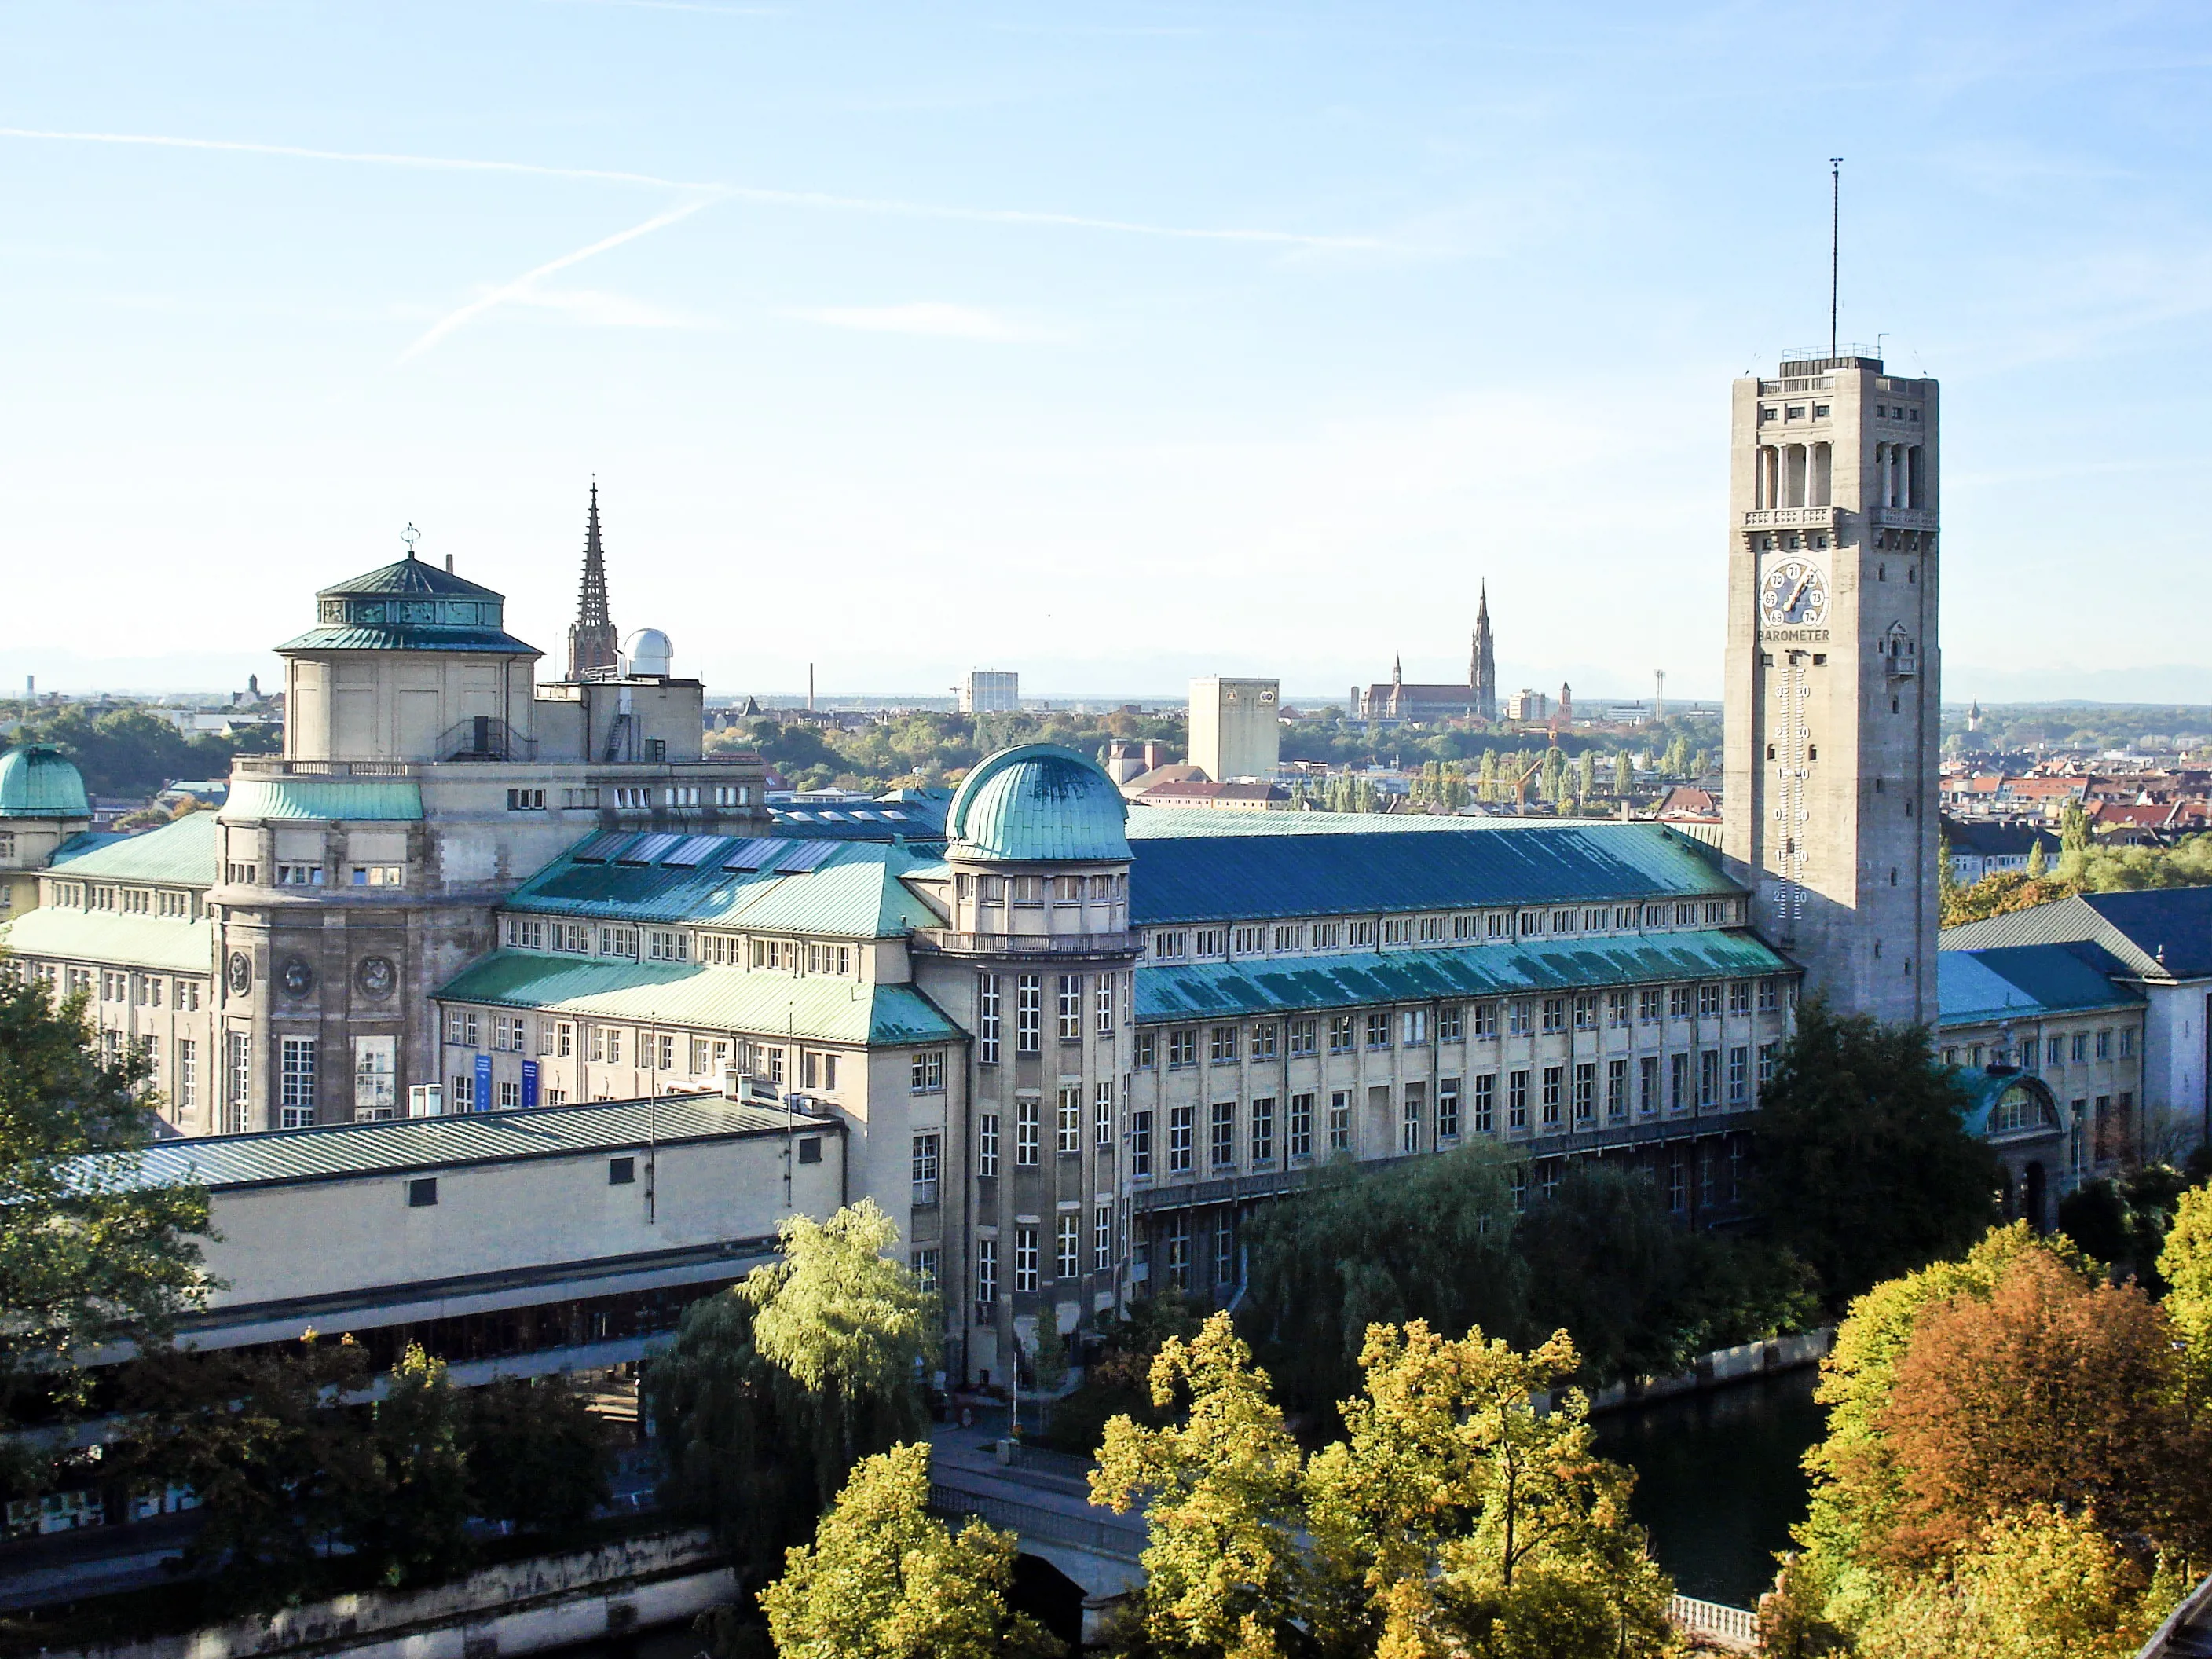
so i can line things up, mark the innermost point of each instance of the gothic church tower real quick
(593, 647)
(1832, 734)
(1482, 671)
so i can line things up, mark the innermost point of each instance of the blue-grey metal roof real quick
(347, 1149)
(2029, 981)
(1979, 839)
(1038, 803)
(1277, 985)
(2163, 932)
(1217, 874)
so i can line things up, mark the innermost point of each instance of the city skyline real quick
(1112, 309)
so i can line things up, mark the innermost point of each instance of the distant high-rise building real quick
(988, 691)
(1235, 732)
(1832, 739)
(594, 648)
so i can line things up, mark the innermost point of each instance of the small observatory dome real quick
(647, 652)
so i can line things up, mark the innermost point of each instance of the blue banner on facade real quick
(529, 1084)
(483, 1084)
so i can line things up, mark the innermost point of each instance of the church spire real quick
(1482, 672)
(591, 645)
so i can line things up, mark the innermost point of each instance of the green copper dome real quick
(1037, 804)
(409, 604)
(39, 782)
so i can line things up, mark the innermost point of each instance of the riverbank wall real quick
(1721, 1367)
(516, 1608)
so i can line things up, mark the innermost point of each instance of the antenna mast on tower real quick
(1835, 241)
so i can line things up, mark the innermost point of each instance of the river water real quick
(1718, 1480)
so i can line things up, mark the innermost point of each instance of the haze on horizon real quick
(1114, 346)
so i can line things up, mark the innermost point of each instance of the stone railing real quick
(953, 942)
(1725, 1626)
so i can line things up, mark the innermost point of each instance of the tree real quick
(537, 1455)
(278, 1463)
(410, 1516)
(1456, 1517)
(883, 1580)
(1431, 1241)
(91, 1253)
(1222, 1568)
(2187, 1263)
(2037, 865)
(1624, 774)
(1865, 1167)
(774, 1388)
(2054, 1388)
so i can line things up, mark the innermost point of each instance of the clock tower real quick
(1832, 734)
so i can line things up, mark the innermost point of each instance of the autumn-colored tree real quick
(886, 1580)
(2186, 1265)
(2051, 1390)
(1223, 1569)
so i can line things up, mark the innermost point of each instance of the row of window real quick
(628, 944)
(1551, 1098)
(178, 903)
(1457, 1022)
(1100, 998)
(1460, 928)
(312, 875)
(1026, 891)
(1028, 1264)
(2054, 1052)
(121, 985)
(1068, 1122)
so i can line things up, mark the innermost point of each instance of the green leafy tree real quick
(410, 1516)
(2038, 866)
(1456, 1517)
(884, 1580)
(1865, 1168)
(1432, 1241)
(2187, 1263)
(91, 1253)
(1624, 774)
(1223, 1568)
(773, 1389)
(538, 1455)
(1586, 775)
(279, 1463)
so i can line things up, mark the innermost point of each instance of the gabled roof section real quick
(2029, 981)
(180, 852)
(1235, 865)
(1267, 985)
(856, 891)
(2161, 933)
(814, 1006)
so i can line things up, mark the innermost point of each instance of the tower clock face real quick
(1793, 594)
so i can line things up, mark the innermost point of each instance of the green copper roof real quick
(64, 934)
(409, 576)
(39, 781)
(1206, 990)
(856, 891)
(181, 853)
(353, 800)
(1038, 803)
(339, 1151)
(409, 605)
(1273, 864)
(815, 1006)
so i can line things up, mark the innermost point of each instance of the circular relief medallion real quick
(299, 978)
(241, 973)
(376, 976)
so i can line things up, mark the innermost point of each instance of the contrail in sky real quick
(741, 192)
(500, 295)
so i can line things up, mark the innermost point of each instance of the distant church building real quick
(1398, 700)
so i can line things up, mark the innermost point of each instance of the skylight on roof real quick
(695, 851)
(758, 854)
(806, 855)
(648, 849)
(595, 850)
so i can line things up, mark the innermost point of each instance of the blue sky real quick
(1113, 344)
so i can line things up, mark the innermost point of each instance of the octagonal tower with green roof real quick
(42, 807)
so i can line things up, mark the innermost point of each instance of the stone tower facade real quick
(1832, 734)
(1482, 671)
